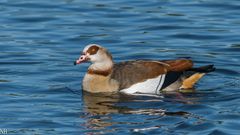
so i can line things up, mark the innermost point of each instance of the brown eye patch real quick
(93, 50)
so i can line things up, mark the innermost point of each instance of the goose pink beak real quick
(81, 59)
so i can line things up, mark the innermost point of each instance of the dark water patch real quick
(219, 6)
(232, 126)
(34, 5)
(2, 81)
(196, 36)
(20, 63)
(222, 98)
(227, 71)
(102, 24)
(164, 20)
(218, 30)
(195, 127)
(167, 27)
(175, 14)
(233, 49)
(235, 46)
(218, 132)
(32, 19)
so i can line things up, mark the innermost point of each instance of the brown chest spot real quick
(98, 72)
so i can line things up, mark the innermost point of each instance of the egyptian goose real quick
(139, 76)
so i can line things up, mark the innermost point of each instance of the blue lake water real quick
(40, 89)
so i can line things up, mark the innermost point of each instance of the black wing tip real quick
(210, 69)
(204, 69)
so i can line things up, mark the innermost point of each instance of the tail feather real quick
(190, 81)
(193, 75)
(204, 69)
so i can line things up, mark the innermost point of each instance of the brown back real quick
(132, 72)
(179, 65)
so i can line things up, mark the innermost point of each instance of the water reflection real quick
(100, 103)
(102, 108)
(103, 104)
(98, 106)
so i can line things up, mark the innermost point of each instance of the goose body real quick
(139, 76)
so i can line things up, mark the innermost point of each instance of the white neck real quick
(102, 65)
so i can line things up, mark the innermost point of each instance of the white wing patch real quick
(150, 86)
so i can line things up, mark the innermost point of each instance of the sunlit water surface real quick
(40, 89)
